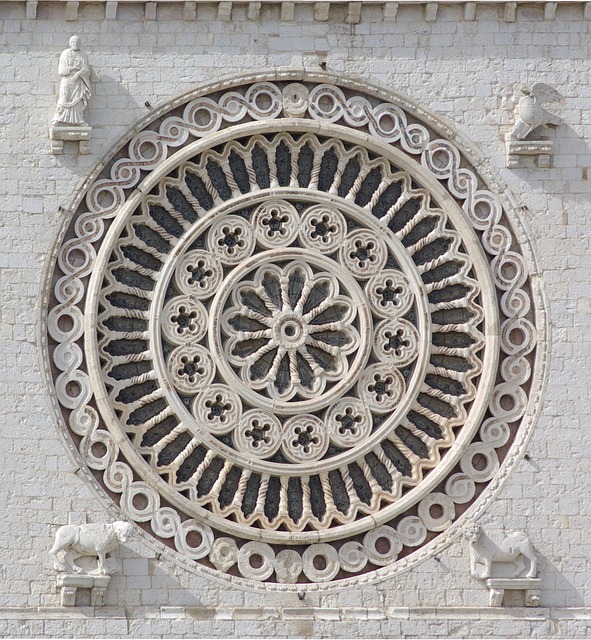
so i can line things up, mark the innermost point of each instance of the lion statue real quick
(513, 548)
(73, 541)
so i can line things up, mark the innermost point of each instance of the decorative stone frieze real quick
(353, 14)
(289, 323)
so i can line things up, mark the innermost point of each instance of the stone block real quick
(321, 11)
(287, 11)
(59, 134)
(71, 10)
(225, 11)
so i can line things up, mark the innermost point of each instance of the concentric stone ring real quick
(295, 338)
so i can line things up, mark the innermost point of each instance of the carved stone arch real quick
(294, 331)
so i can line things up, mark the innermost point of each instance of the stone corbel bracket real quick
(69, 583)
(353, 13)
(58, 134)
(540, 150)
(498, 586)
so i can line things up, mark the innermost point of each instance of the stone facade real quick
(458, 65)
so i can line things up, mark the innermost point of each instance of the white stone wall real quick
(461, 69)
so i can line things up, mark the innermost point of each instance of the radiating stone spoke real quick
(251, 313)
(255, 357)
(303, 297)
(323, 306)
(329, 326)
(334, 351)
(272, 375)
(286, 303)
(293, 367)
(316, 368)
(271, 304)
(254, 335)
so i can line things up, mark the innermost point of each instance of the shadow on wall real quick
(148, 579)
(557, 591)
(111, 111)
(570, 150)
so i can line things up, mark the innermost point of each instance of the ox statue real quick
(513, 548)
(73, 541)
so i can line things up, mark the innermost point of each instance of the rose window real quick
(307, 347)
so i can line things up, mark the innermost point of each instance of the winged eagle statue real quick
(530, 112)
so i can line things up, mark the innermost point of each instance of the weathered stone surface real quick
(461, 66)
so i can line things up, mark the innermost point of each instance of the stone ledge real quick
(60, 133)
(513, 583)
(507, 11)
(344, 614)
(61, 613)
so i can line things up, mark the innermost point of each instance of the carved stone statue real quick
(512, 548)
(74, 86)
(68, 123)
(73, 541)
(530, 113)
(483, 552)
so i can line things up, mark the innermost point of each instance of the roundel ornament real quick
(289, 320)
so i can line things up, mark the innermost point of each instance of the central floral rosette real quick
(290, 330)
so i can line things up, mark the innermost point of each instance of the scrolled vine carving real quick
(292, 337)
